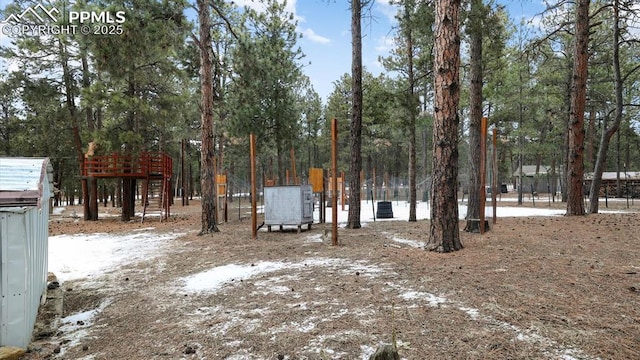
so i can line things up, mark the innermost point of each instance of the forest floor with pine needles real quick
(530, 288)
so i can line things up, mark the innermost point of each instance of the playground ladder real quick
(153, 197)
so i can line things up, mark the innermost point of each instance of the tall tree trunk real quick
(57, 181)
(128, 183)
(75, 126)
(520, 137)
(86, 83)
(475, 116)
(618, 167)
(596, 181)
(207, 152)
(425, 158)
(575, 203)
(565, 148)
(93, 184)
(590, 161)
(444, 234)
(594, 190)
(280, 158)
(412, 107)
(355, 163)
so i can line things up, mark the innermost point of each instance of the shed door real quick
(307, 203)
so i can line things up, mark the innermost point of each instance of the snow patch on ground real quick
(73, 257)
(213, 279)
(315, 238)
(412, 243)
(431, 299)
(76, 327)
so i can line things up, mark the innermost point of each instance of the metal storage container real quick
(25, 189)
(288, 205)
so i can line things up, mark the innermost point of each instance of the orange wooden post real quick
(254, 195)
(334, 181)
(215, 188)
(316, 178)
(294, 175)
(483, 172)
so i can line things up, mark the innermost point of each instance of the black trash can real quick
(385, 210)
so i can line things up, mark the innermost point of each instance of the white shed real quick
(288, 205)
(26, 186)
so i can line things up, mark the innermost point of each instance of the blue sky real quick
(326, 42)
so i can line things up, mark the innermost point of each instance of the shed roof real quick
(530, 171)
(24, 181)
(613, 175)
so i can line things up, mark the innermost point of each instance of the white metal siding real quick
(23, 276)
(14, 253)
(24, 232)
(288, 205)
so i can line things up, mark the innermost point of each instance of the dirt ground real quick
(530, 288)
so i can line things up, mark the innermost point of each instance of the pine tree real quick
(444, 235)
(575, 201)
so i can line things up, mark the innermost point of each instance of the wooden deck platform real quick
(154, 169)
(142, 166)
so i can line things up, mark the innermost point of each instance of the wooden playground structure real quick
(154, 169)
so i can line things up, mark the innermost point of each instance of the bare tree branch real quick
(624, 78)
(539, 42)
(224, 18)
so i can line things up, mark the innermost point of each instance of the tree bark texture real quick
(128, 198)
(475, 117)
(575, 203)
(590, 138)
(565, 149)
(355, 163)
(412, 106)
(91, 126)
(93, 198)
(207, 152)
(444, 235)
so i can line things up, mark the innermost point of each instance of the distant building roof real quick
(613, 175)
(24, 181)
(530, 170)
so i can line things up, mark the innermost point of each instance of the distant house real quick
(26, 187)
(628, 180)
(546, 180)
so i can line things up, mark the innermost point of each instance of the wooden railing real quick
(142, 165)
